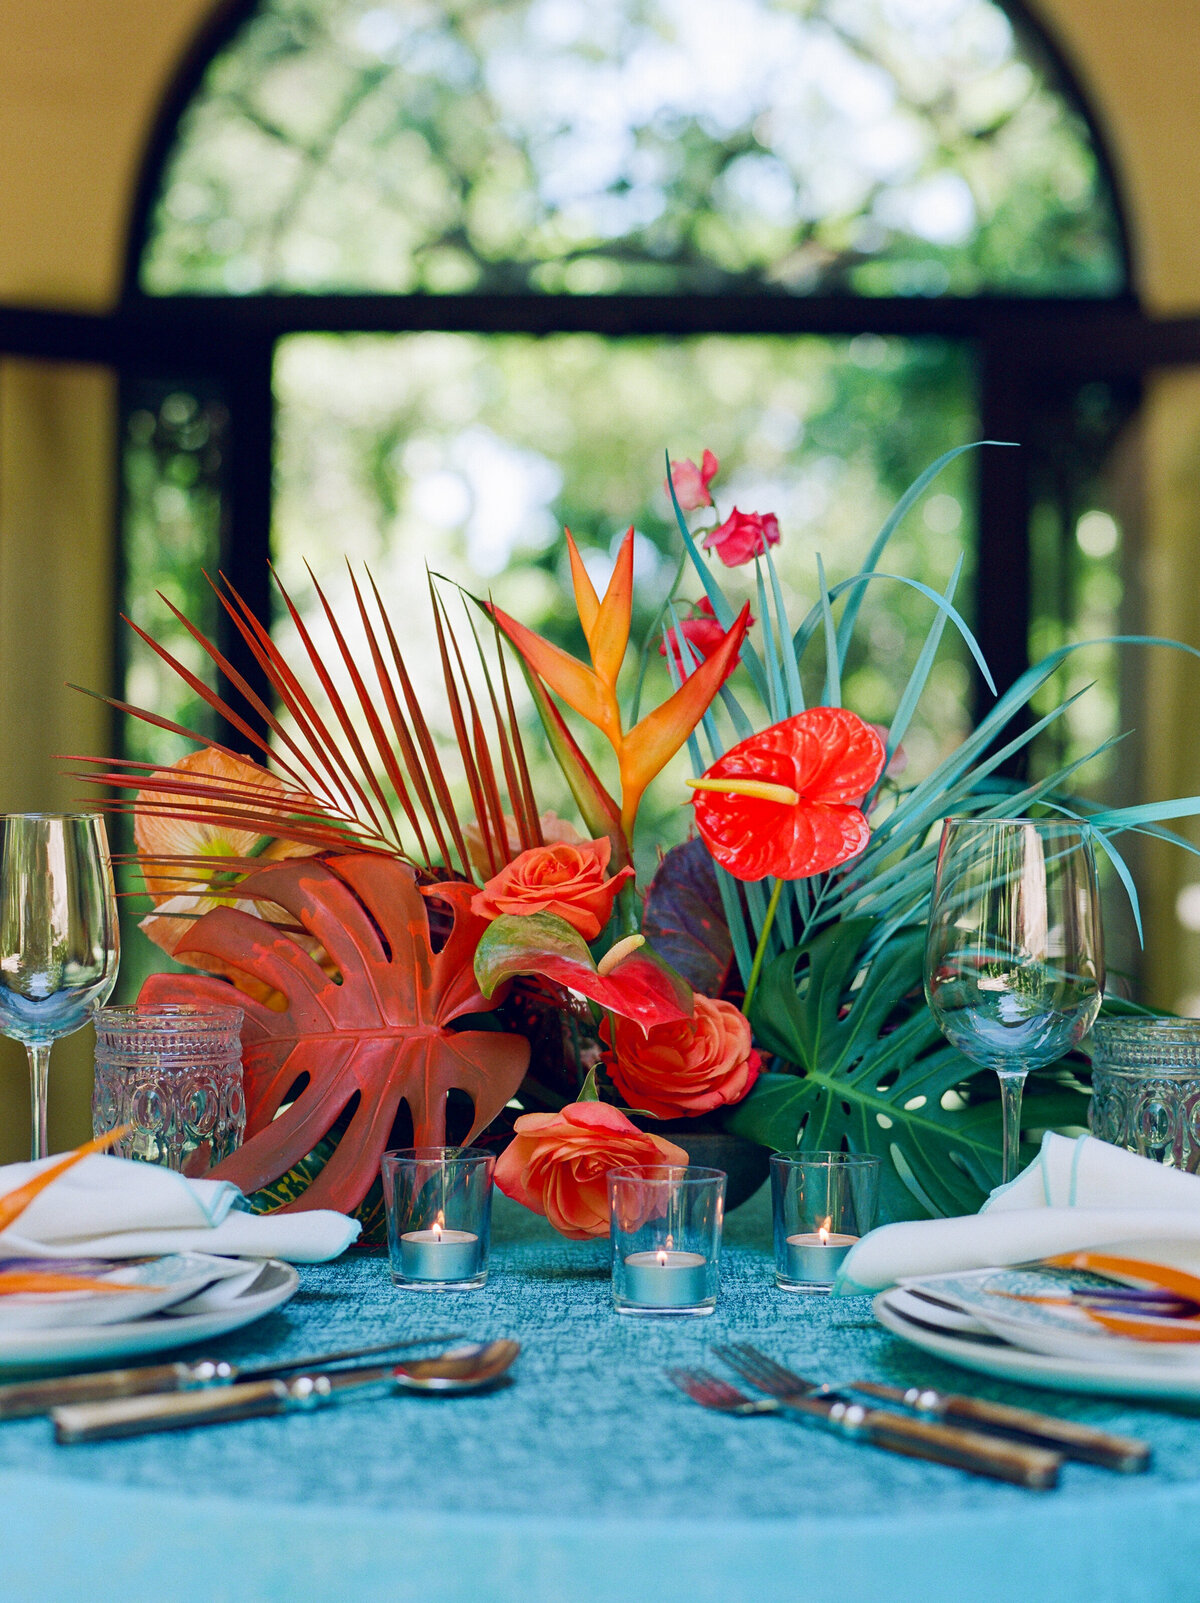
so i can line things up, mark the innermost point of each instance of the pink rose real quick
(692, 482)
(681, 1070)
(556, 1163)
(563, 879)
(743, 536)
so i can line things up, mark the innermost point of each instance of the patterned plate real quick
(82, 1347)
(989, 1355)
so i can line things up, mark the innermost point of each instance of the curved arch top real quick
(871, 147)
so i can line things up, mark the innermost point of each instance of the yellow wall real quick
(80, 84)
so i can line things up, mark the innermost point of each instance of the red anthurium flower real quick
(692, 482)
(704, 634)
(743, 536)
(785, 802)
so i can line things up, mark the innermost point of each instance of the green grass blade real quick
(815, 617)
(772, 652)
(917, 680)
(783, 641)
(833, 673)
(910, 497)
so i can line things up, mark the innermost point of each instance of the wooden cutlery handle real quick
(1082, 1442)
(1035, 1467)
(133, 1416)
(21, 1398)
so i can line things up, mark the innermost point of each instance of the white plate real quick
(73, 1347)
(991, 1356)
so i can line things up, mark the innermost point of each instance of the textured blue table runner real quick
(589, 1479)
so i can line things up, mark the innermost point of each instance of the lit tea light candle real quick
(816, 1256)
(438, 1253)
(666, 1278)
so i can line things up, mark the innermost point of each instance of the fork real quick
(1065, 1436)
(980, 1455)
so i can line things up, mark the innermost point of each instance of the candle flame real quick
(823, 1231)
(439, 1224)
(662, 1258)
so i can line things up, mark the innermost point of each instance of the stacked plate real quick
(981, 1321)
(162, 1303)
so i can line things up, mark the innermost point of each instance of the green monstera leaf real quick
(873, 1071)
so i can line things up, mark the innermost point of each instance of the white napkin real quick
(105, 1207)
(1075, 1196)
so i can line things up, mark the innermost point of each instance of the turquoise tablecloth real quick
(587, 1481)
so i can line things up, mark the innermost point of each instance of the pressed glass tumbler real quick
(1146, 1087)
(439, 1215)
(822, 1202)
(666, 1238)
(174, 1075)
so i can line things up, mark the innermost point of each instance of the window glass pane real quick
(883, 147)
(175, 445)
(469, 452)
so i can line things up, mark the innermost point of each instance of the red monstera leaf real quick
(380, 1028)
(786, 802)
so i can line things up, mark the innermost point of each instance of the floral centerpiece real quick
(411, 976)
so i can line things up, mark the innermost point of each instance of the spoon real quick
(463, 1369)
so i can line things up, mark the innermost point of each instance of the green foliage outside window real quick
(878, 147)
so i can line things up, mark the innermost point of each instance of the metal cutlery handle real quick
(1082, 1442)
(1034, 1467)
(134, 1416)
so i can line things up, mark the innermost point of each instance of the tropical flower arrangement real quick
(408, 976)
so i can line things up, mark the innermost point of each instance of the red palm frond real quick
(332, 778)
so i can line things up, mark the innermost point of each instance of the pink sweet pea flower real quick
(743, 536)
(703, 633)
(899, 758)
(692, 482)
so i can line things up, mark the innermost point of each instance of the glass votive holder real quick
(173, 1073)
(666, 1238)
(822, 1202)
(439, 1216)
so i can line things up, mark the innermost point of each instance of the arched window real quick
(469, 267)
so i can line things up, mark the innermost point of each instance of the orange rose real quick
(681, 1070)
(555, 831)
(556, 1163)
(563, 879)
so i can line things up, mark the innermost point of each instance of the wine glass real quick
(59, 942)
(1014, 957)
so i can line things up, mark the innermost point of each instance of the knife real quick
(137, 1416)
(1081, 1442)
(24, 1398)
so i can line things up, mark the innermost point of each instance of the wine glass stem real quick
(39, 1069)
(1012, 1087)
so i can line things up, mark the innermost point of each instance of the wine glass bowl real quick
(1014, 956)
(59, 944)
